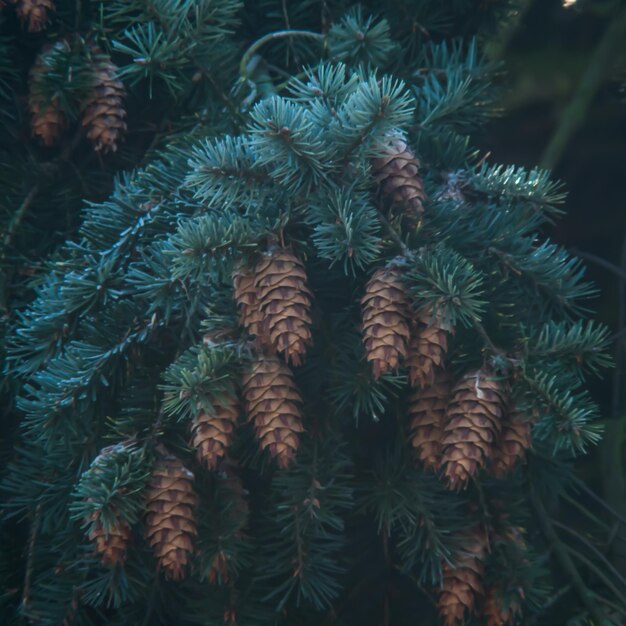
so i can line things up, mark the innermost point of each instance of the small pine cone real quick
(511, 446)
(272, 404)
(495, 612)
(472, 424)
(103, 112)
(34, 14)
(212, 432)
(250, 316)
(427, 410)
(170, 515)
(285, 303)
(48, 122)
(462, 584)
(427, 348)
(385, 310)
(111, 545)
(397, 173)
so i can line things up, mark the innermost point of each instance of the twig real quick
(259, 43)
(600, 64)
(30, 558)
(566, 561)
(607, 265)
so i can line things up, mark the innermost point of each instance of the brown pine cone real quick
(494, 611)
(285, 303)
(170, 515)
(103, 112)
(397, 171)
(212, 431)
(34, 14)
(111, 545)
(385, 309)
(250, 316)
(272, 404)
(472, 424)
(462, 584)
(511, 445)
(427, 348)
(427, 410)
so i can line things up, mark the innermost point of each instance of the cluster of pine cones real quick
(169, 520)
(455, 429)
(102, 112)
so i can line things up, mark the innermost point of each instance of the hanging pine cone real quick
(285, 303)
(495, 612)
(427, 348)
(462, 584)
(103, 112)
(472, 424)
(385, 310)
(47, 117)
(397, 171)
(110, 544)
(34, 14)
(272, 404)
(427, 410)
(170, 515)
(250, 316)
(511, 445)
(212, 431)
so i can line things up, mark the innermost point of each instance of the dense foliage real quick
(282, 151)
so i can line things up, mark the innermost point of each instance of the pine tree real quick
(241, 398)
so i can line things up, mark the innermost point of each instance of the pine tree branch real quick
(391, 231)
(30, 558)
(566, 561)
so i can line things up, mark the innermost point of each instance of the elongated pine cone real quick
(250, 316)
(511, 445)
(34, 14)
(170, 516)
(495, 612)
(462, 584)
(111, 545)
(272, 403)
(103, 112)
(427, 410)
(285, 303)
(397, 171)
(427, 348)
(472, 424)
(385, 309)
(212, 431)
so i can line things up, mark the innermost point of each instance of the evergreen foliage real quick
(254, 129)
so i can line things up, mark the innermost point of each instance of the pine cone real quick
(427, 348)
(285, 303)
(103, 112)
(112, 545)
(397, 173)
(472, 424)
(212, 431)
(385, 309)
(511, 445)
(34, 14)
(272, 404)
(250, 316)
(427, 410)
(47, 117)
(170, 517)
(494, 611)
(462, 585)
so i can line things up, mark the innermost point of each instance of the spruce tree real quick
(312, 361)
